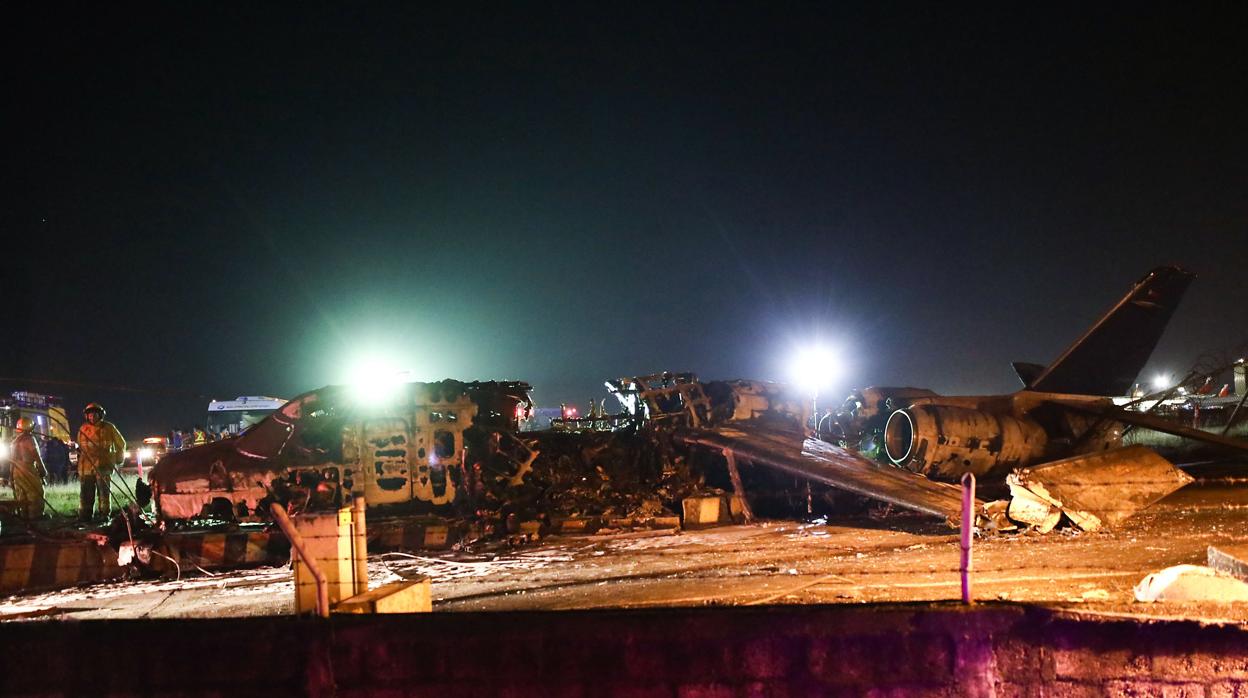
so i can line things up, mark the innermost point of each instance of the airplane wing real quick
(1102, 488)
(1148, 421)
(792, 453)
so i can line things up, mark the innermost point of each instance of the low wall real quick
(949, 650)
(52, 564)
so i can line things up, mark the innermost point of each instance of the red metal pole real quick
(968, 532)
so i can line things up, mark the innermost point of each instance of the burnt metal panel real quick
(1104, 488)
(384, 460)
(832, 465)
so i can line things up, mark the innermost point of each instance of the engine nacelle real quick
(944, 442)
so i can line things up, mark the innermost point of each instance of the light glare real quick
(376, 381)
(813, 369)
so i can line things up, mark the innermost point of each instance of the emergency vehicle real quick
(235, 416)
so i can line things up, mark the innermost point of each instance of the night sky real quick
(231, 200)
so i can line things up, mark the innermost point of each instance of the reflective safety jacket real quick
(26, 455)
(28, 474)
(100, 446)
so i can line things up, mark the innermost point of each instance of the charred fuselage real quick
(431, 447)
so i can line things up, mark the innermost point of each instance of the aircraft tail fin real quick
(1027, 373)
(1107, 359)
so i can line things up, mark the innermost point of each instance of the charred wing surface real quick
(1106, 487)
(1166, 426)
(791, 453)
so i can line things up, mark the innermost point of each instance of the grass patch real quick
(62, 499)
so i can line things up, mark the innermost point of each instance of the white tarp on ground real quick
(1191, 583)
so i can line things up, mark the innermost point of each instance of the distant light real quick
(1161, 381)
(813, 369)
(375, 381)
(146, 454)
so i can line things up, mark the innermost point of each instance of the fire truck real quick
(44, 411)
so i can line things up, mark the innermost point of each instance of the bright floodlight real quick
(375, 381)
(1161, 381)
(814, 368)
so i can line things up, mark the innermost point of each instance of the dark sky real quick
(227, 200)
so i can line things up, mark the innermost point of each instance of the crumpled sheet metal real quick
(1032, 509)
(1099, 489)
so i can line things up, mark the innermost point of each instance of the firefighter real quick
(28, 471)
(101, 448)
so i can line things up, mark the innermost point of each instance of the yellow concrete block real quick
(328, 541)
(701, 511)
(573, 525)
(407, 596)
(17, 562)
(435, 536)
(392, 538)
(710, 511)
(257, 549)
(212, 548)
(69, 560)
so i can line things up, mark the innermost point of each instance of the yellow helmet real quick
(24, 424)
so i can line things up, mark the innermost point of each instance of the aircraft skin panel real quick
(1108, 358)
(1107, 486)
(792, 453)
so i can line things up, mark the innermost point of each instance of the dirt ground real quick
(890, 559)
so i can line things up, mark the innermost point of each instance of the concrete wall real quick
(686, 653)
(53, 564)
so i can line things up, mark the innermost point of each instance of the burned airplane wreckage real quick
(427, 448)
(455, 449)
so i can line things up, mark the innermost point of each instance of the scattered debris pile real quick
(1089, 491)
(620, 473)
(451, 449)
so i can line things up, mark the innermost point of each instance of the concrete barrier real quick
(46, 565)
